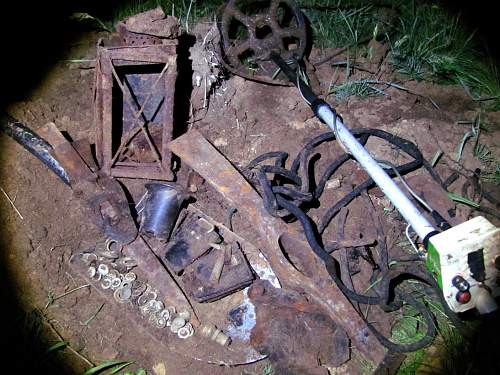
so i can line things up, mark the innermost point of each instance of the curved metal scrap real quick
(33, 143)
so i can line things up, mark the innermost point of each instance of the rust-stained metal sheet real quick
(297, 336)
(133, 109)
(63, 150)
(200, 155)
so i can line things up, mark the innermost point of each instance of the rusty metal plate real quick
(251, 30)
(200, 155)
(210, 259)
(297, 337)
(133, 104)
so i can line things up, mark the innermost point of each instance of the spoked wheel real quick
(252, 29)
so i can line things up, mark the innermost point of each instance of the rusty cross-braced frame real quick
(134, 99)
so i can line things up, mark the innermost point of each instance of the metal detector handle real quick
(309, 96)
(402, 203)
(324, 112)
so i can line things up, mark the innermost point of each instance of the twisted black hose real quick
(287, 192)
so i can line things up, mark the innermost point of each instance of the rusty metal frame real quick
(109, 59)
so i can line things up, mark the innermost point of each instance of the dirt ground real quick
(243, 119)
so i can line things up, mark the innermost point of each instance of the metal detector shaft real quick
(323, 111)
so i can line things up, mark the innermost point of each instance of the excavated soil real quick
(243, 119)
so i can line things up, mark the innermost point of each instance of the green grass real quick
(187, 11)
(426, 42)
(337, 26)
(409, 327)
(490, 165)
(112, 367)
(433, 45)
(349, 88)
(453, 353)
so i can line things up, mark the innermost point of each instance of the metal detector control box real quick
(466, 263)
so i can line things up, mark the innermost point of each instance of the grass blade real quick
(118, 368)
(103, 366)
(57, 346)
(436, 158)
(460, 199)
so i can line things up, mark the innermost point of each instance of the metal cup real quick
(161, 209)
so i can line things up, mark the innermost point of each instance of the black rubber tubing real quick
(280, 200)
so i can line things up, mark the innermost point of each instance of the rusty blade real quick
(103, 195)
(144, 255)
(71, 161)
(200, 155)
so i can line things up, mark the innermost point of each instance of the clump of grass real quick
(407, 327)
(85, 17)
(411, 363)
(339, 23)
(360, 88)
(427, 43)
(491, 165)
(268, 370)
(187, 11)
(434, 45)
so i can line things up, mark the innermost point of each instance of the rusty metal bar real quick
(200, 155)
(145, 257)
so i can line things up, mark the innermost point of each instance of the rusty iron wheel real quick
(252, 29)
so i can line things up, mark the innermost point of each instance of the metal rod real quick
(402, 203)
